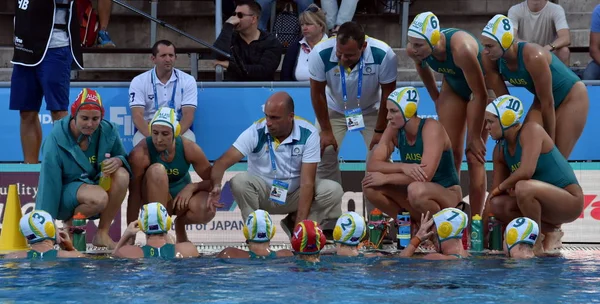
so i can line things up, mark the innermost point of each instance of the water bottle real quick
(476, 234)
(79, 222)
(403, 230)
(375, 228)
(495, 233)
(105, 179)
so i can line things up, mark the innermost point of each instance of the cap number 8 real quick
(506, 24)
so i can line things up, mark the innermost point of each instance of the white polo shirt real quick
(302, 146)
(381, 67)
(141, 92)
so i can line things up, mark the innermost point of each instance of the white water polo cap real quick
(349, 229)
(37, 225)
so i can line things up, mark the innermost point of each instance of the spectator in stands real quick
(155, 222)
(295, 62)
(160, 167)
(104, 9)
(283, 153)
(163, 86)
(78, 150)
(369, 70)
(544, 23)
(266, 7)
(255, 54)
(42, 66)
(592, 72)
(336, 17)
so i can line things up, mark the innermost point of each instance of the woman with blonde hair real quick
(295, 62)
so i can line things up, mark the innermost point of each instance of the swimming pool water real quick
(572, 278)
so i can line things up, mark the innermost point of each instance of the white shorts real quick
(138, 136)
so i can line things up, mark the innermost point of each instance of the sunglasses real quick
(241, 15)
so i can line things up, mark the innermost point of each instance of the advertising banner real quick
(224, 113)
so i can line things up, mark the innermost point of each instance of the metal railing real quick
(194, 57)
(257, 84)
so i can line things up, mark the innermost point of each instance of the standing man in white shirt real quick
(163, 86)
(350, 101)
(283, 153)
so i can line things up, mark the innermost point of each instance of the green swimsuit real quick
(551, 168)
(445, 175)
(177, 169)
(563, 79)
(453, 75)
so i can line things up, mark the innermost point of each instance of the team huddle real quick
(293, 167)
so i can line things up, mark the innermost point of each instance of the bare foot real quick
(103, 240)
(538, 248)
(553, 240)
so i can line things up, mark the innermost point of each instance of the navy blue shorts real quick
(50, 79)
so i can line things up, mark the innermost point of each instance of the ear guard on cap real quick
(154, 219)
(87, 99)
(521, 230)
(425, 26)
(407, 100)
(500, 28)
(450, 223)
(349, 229)
(259, 227)
(37, 225)
(508, 109)
(166, 116)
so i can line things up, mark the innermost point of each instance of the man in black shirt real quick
(255, 54)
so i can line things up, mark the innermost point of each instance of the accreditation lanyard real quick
(272, 155)
(172, 101)
(361, 66)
